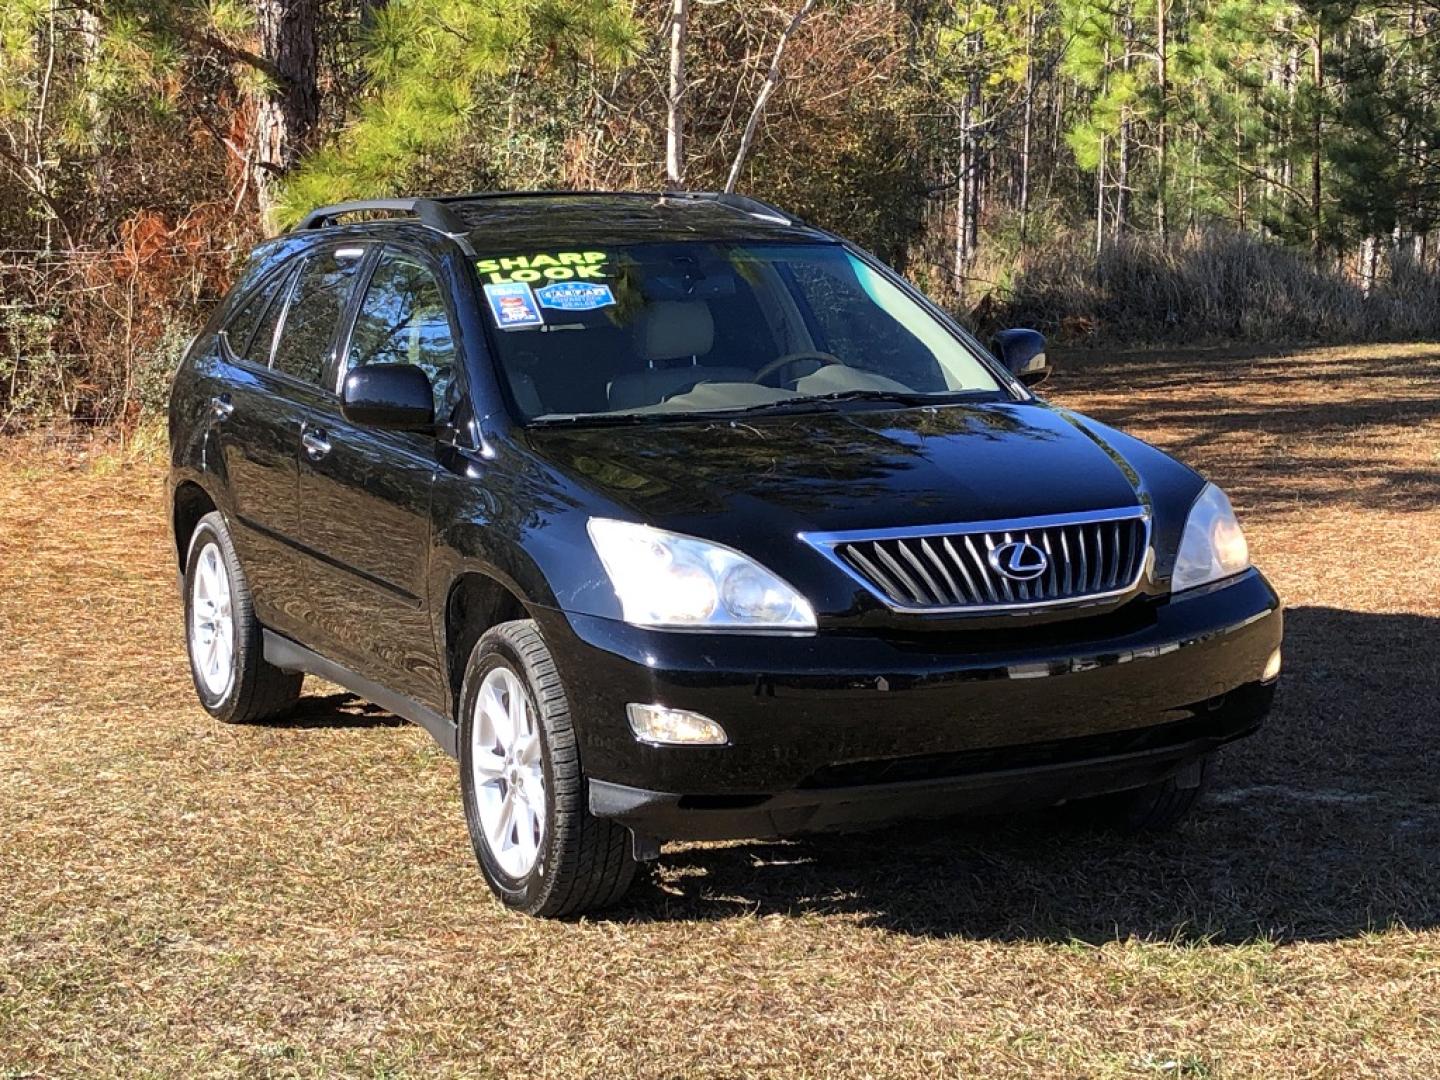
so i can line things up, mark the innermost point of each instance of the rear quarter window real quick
(313, 316)
(251, 330)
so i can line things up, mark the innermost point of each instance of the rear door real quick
(365, 498)
(253, 433)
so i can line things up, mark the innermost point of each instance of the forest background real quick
(1119, 173)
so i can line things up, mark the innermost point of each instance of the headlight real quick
(667, 580)
(1213, 546)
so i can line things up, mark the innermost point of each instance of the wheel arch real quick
(188, 505)
(474, 602)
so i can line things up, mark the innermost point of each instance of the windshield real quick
(664, 330)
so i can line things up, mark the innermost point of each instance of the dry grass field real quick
(179, 898)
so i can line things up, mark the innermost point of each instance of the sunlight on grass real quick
(182, 898)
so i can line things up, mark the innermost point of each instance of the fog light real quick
(674, 727)
(1272, 668)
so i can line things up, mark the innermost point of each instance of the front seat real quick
(667, 331)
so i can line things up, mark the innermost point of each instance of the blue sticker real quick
(575, 296)
(513, 305)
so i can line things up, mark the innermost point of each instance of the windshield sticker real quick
(513, 306)
(557, 266)
(574, 296)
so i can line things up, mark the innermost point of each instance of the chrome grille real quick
(953, 568)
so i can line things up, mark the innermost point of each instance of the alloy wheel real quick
(212, 626)
(507, 769)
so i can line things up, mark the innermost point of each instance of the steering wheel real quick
(769, 369)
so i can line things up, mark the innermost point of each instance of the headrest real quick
(671, 329)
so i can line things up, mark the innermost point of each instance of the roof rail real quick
(431, 214)
(743, 203)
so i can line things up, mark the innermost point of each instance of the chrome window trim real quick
(827, 542)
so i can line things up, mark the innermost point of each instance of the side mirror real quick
(397, 397)
(1023, 354)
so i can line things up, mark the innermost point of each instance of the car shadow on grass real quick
(1321, 431)
(1324, 825)
(340, 709)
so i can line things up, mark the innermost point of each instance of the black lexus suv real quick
(672, 517)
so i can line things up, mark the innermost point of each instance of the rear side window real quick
(308, 335)
(403, 320)
(251, 330)
(264, 340)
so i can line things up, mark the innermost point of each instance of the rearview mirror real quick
(397, 397)
(1023, 354)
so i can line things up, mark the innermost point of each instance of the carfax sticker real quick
(513, 306)
(574, 296)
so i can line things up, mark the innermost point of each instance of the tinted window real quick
(862, 333)
(403, 320)
(263, 342)
(691, 326)
(261, 308)
(315, 309)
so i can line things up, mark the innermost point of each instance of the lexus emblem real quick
(1019, 560)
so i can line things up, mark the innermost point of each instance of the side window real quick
(308, 335)
(260, 308)
(403, 320)
(258, 351)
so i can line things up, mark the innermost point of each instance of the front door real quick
(365, 493)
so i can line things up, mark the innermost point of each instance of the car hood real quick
(859, 468)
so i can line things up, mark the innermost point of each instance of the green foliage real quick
(1294, 141)
(443, 71)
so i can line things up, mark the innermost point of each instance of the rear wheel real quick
(234, 681)
(541, 850)
(1156, 807)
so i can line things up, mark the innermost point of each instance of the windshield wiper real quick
(561, 419)
(803, 403)
(808, 402)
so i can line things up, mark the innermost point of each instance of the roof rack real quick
(744, 203)
(429, 213)
(436, 214)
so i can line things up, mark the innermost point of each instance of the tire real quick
(241, 687)
(549, 858)
(1157, 807)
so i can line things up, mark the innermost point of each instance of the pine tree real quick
(451, 72)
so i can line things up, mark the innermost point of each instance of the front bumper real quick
(833, 729)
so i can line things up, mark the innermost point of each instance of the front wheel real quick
(1156, 807)
(541, 850)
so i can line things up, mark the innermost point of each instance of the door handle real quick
(221, 406)
(315, 443)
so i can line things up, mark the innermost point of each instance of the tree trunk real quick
(772, 80)
(1239, 179)
(1162, 135)
(1317, 151)
(963, 203)
(1028, 123)
(1191, 202)
(1292, 89)
(978, 160)
(967, 214)
(289, 107)
(1100, 199)
(675, 102)
(1122, 173)
(1100, 166)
